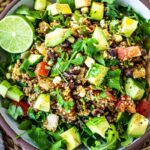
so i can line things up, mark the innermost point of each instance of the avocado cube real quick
(82, 3)
(133, 90)
(137, 125)
(42, 103)
(97, 11)
(56, 9)
(34, 59)
(14, 93)
(101, 38)
(40, 4)
(128, 26)
(4, 86)
(72, 138)
(96, 74)
(57, 37)
(98, 125)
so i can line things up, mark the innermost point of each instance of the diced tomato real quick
(110, 96)
(129, 52)
(144, 108)
(24, 105)
(42, 69)
(122, 53)
(133, 51)
(120, 105)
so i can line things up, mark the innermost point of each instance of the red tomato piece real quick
(42, 69)
(110, 96)
(129, 52)
(122, 53)
(24, 105)
(133, 51)
(144, 108)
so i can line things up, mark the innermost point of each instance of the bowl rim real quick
(25, 145)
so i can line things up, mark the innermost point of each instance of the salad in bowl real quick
(76, 75)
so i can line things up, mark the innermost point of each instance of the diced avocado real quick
(34, 59)
(82, 3)
(57, 37)
(40, 4)
(97, 11)
(14, 93)
(96, 74)
(57, 8)
(72, 138)
(123, 118)
(101, 38)
(4, 86)
(98, 125)
(128, 26)
(42, 103)
(133, 89)
(137, 125)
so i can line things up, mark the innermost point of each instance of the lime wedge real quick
(16, 34)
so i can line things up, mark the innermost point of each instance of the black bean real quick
(113, 52)
(71, 85)
(66, 44)
(109, 118)
(98, 112)
(128, 72)
(67, 15)
(76, 97)
(74, 71)
(51, 55)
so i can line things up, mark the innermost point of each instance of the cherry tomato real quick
(144, 108)
(42, 69)
(24, 105)
(122, 53)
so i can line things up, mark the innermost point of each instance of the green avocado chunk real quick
(14, 93)
(4, 86)
(57, 37)
(72, 138)
(101, 38)
(96, 74)
(34, 59)
(97, 11)
(133, 89)
(98, 125)
(42, 103)
(137, 125)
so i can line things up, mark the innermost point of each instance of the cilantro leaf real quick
(15, 111)
(78, 61)
(113, 79)
(40, 137)
(67, 105)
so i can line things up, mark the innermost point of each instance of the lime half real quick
(16, 34)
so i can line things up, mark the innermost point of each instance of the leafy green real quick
(111, 10)
(25, 124)
(111, 140)
(109, 1)
(100, 59)
(67, 105)
(112, 62)
(15, 111)
(126, 140)
(146, 28)
(78, 61)
(24, 66)
(87, 45)
(56, 146)
(40, 137)
(5, 103)
(113, 79)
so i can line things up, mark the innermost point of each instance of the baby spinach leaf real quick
(40, 137)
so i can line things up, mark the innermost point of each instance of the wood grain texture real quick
(146, 2)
